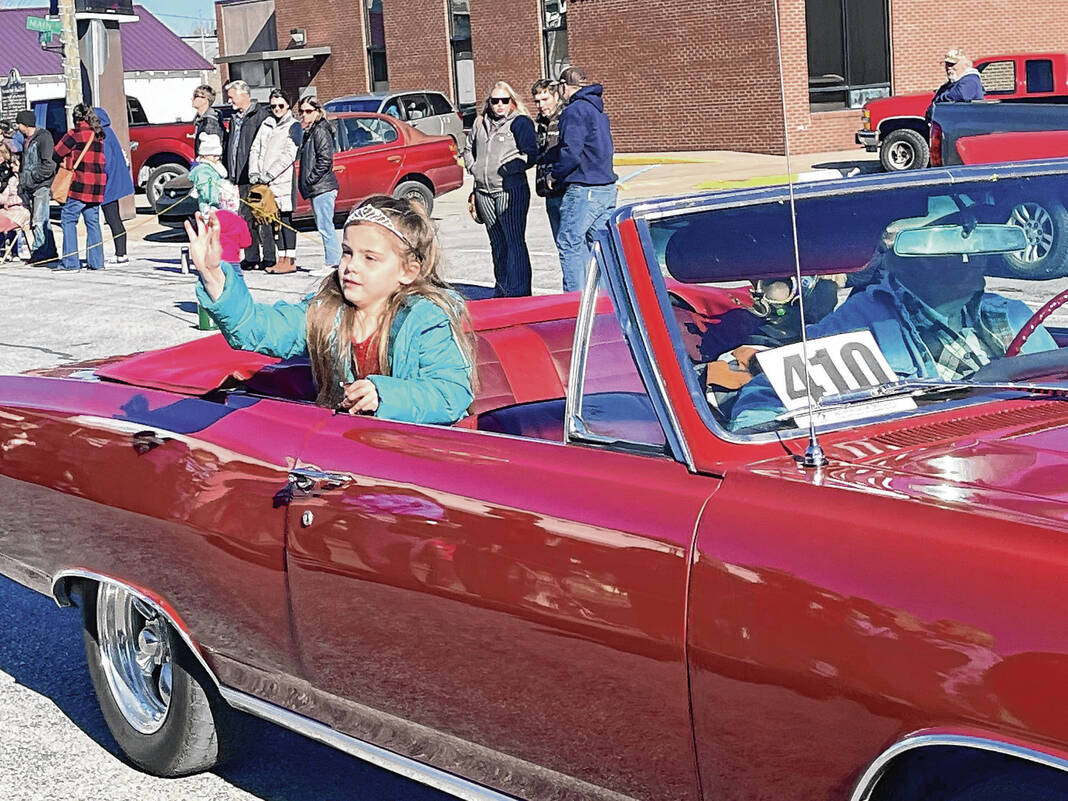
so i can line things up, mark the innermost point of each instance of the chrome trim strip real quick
(403, 766)
(62, 599)
(866, 784)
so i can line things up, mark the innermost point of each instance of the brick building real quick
(678, 74)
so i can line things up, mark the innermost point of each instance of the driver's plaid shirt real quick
(957, 348)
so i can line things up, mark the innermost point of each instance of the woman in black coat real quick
(317, 180)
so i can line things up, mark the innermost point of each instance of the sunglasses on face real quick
(279, 105)
(307, 111)
(500, 101)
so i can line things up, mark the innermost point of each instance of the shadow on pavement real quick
(167, 235)
(847, 167)
(42, 651)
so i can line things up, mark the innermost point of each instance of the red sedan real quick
(376, 155)
(776, 510)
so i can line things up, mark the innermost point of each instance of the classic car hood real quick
(1012, 458)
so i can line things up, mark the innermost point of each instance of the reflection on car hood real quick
(1012, 460)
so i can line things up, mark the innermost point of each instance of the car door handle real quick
(312, 482)
(144, 441)
(339, 168)
(393, 159)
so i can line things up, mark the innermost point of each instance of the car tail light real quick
(865, 117)
(936, 145)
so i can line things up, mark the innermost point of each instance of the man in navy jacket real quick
(582, 164)
(963, 83)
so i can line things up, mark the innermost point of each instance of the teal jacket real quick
(430, 379)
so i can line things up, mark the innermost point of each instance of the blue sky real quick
(181, 16)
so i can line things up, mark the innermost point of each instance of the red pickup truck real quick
(897, 127)
(159, 152)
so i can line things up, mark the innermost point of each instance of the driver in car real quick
(930, 315)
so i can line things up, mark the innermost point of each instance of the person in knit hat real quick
(210, 185)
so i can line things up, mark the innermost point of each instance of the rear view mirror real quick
(955, 240)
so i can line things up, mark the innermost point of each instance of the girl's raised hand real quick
(205, 251)
(361, 397)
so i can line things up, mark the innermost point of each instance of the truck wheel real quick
(160, 706)
(1046, 230)
(413, 190)
(159, 178)
(904, 149)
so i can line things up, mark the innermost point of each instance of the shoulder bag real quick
(65, 175)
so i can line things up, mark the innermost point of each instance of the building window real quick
(463, 60)
(375, 31)
(848, 52)
(554, 32)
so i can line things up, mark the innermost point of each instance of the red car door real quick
(370, 161)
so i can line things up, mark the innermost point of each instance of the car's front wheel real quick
(904, 149)
(157, 700)
(414, 190)
(159, 178)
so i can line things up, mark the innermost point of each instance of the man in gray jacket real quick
(35, 183)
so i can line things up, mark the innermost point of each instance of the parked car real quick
(897, 126)
(377, 155)
(983, 133)
(430, 112)
(641, 568)
(159, 152)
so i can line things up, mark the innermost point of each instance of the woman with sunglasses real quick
(317, 180)
(500, 149)
(274, 151)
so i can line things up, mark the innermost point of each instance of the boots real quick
(285, 264)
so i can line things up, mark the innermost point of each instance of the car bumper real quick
(868, 139)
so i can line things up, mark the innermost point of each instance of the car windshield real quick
(913, 291)
(370, 104)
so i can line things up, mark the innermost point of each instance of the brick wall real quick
(506, 44)
(682, 74)
(417, 44)
(327, 22)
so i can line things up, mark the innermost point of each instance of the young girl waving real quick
(384, 333)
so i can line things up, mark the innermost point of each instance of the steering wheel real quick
(1036, 320)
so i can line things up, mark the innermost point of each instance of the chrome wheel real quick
(1037, 225)
(135, 655)
(901, 155)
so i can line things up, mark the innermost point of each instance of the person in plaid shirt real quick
(86, 189)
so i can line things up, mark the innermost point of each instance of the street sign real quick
(43, 25)
(13, 96)
(44, 37)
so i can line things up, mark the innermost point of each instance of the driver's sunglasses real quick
(500, 101)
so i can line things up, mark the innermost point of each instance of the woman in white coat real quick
(274, 151)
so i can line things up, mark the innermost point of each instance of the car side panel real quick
(516, 598)
(174, 495)
(828, 621)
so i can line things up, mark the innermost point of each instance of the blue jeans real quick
(584, 210)
(68, 221)
(44, 243)
(323, 208)
(552, 208)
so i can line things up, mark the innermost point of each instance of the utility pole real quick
(72, 75)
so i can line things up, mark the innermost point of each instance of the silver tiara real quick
(369, 213)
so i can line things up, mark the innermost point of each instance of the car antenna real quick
(814, 456)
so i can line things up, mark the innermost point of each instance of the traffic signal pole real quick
(72, 76)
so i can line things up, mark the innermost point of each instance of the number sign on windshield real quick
(836, 364)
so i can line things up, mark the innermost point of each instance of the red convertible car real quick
(776, 509)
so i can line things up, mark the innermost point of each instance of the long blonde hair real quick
(331, 318)
(517, 101)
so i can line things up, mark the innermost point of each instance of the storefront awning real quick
(296, 54)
